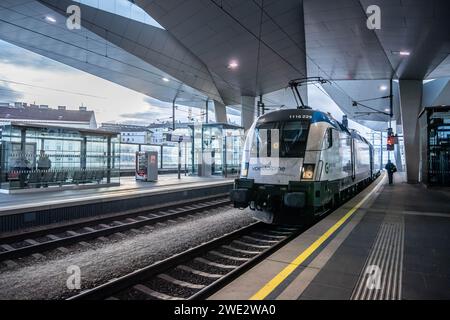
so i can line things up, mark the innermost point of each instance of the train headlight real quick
(308, 171)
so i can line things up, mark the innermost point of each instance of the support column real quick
(397, 151)
(381, 151)
(247, 111)
(410, 105)
(220, 110)
(108, 161)
(83, 153)
(173, 115)
(23, 158)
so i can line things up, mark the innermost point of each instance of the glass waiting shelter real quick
(435, 146)
(217, 149)
(35, 157)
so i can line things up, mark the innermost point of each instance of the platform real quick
(25, 210)
(389, 242)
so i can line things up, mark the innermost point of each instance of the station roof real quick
(221, 50)
(218, 125)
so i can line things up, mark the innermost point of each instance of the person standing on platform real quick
(391, 169)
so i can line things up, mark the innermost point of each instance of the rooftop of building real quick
(44, 112)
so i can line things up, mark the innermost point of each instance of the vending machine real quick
(147, 166)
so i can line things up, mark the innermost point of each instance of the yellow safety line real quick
(280, 277)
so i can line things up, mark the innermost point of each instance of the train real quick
(297, 164)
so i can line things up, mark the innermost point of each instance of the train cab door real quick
(352, 145)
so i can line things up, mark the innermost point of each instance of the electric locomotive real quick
(299, 163)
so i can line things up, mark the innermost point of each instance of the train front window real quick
(265, 135)
(280, 139)
(293, 139)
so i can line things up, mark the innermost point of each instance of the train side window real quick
(328, 139)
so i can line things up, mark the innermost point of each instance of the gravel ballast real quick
(46, 278)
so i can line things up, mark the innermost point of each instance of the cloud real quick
(7, 94)
(157, 110)
(160, 111)
(157, 103)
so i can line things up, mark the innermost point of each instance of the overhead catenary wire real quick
(211, 94)
(78, 60)
(263, 11)
(87, 51)
(258, 58)
(52, 89)
(305, 52)
(220, 6)
(85, 36)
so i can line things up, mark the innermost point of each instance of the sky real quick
(29, 77)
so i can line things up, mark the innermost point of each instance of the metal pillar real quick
(23, 141)
(108, 161)
(185, 159)
(381, 151)
(179, 160)
(161, 158)
(207, 112)
(83, 153)
(2, 163)
(173, 115)
(23, 174)
(391, 113)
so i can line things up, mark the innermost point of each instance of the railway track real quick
(197, 272)
(39, 241)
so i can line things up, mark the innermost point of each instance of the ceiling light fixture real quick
(383, 88)
(165, 79)
(50, 19)
(387, 109)
(402, 53)
(233, 64)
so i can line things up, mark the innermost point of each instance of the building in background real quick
(44, 115)
(130, 133)
(160, 130)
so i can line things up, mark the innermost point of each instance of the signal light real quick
(390, 143)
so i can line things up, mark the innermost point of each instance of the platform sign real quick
(146, 166)
(177, 138)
